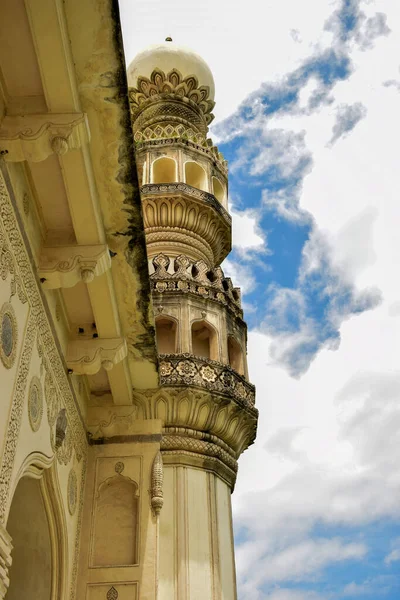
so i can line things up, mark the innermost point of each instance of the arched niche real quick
(218, 190)
(37, 527)
(195, 176)
(235, 355)
(166, 335)
(116, 522)
(204, 340)
(163, 170)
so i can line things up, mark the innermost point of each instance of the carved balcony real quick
(179, 216)
(178, 370)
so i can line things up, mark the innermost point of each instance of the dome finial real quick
(168, 39)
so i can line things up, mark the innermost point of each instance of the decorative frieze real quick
(64, 267)
(195, 278)
(35, 137)
(188, 370)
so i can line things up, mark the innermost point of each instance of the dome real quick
(168, 56)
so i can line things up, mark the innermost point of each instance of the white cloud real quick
(394, 555)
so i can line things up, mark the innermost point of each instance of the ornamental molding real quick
(64, 267)
(161, 86)
(192, 407)
(188, 190)
(35, 137)
(186, 369)
(182, 213)
(196, 278)
(5, 560)
(8, 335)
(157, 482)
(35, 403)
(88, 356)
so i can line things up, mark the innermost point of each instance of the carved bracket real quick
(5, 560)
(157, 479)
(35, 137)
(88, 356)
(65, 266)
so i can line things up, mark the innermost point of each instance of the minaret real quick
(205, 401)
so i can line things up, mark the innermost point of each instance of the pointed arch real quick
(235, 355)
(166, 335)
(218, 190)
(37, 525)
(204, 340)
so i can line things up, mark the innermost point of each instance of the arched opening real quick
(115, 539)
(31, 569)
(204, 340)
(218, 190)
(235, 355)
(196, 176)
(166, 330)
(163, 170)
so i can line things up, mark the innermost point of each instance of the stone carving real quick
(158, 135)
(119, 467)
(35, 137)
(5, 560)
(189, 190)
(64, 267)
(35, 403)
(112, 594)
(157, 478)
(169, 215)
(8, 335)
(188, 277)
(88, 356)
(215, 417)
(186, 369)
(61, 428)
(72, 491)
(161, 85)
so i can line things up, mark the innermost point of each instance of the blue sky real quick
(308, 97)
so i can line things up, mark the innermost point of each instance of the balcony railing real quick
(189, 370)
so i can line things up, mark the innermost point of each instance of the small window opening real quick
(235, 355)
(195, 176)
(218, 190)
(204, 340)
(164, 170)
(166, 336)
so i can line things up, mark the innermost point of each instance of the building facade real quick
(125, 395)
